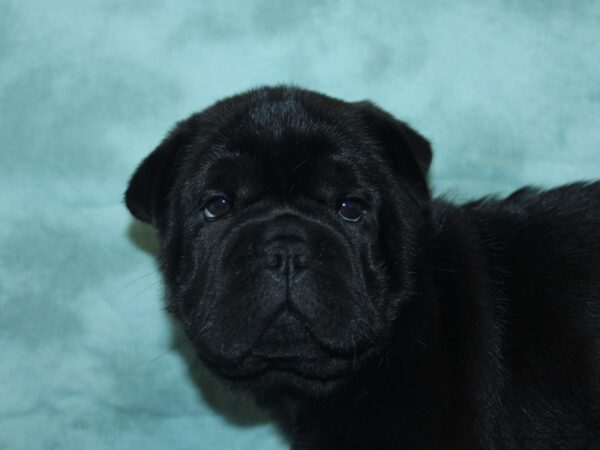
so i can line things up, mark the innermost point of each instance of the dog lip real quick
(276, 359)
(308, 350)
(303, 365)
(266, 369)
(256, 365)
(287, 371)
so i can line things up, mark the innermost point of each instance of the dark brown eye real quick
(216, 207)
(351, 210)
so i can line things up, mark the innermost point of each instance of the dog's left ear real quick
(147, 194)
(411, 151)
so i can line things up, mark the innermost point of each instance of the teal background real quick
(507, 91)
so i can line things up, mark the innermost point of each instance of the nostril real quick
(286, 255)
(273, 259)
(300, 260)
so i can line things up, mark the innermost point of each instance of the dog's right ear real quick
(149, 187)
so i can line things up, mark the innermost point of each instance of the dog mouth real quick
(288, 348)
(298, 367)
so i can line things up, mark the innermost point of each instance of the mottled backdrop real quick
(509, 94)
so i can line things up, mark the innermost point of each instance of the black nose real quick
(286, 255)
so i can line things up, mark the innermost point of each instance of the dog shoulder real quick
(567, 216)
(543, 250)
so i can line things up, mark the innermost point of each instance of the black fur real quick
(424, 325)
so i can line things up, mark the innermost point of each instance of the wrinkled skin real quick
(401, 329)
(285, 170)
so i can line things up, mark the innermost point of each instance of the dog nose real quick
(286, 255)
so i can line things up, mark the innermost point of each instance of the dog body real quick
(504, 353)
(309, 265)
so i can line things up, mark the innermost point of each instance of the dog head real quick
(288, 224)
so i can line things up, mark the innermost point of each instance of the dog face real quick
(288, 224)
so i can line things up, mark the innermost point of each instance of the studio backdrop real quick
(507, 91)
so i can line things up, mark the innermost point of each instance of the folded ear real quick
(410, 150)
(149, 187)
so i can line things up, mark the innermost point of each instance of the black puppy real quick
(309, 264)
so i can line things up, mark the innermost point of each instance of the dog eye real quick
(351, 210)
(216, 207)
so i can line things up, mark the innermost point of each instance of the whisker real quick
(368, 338)
(159, 356)
(419, 341)
(156, 283)
(299, 165)
(136, 280)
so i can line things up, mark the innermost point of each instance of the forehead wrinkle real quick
(201, 167)
(287, 158)
(363, 166)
